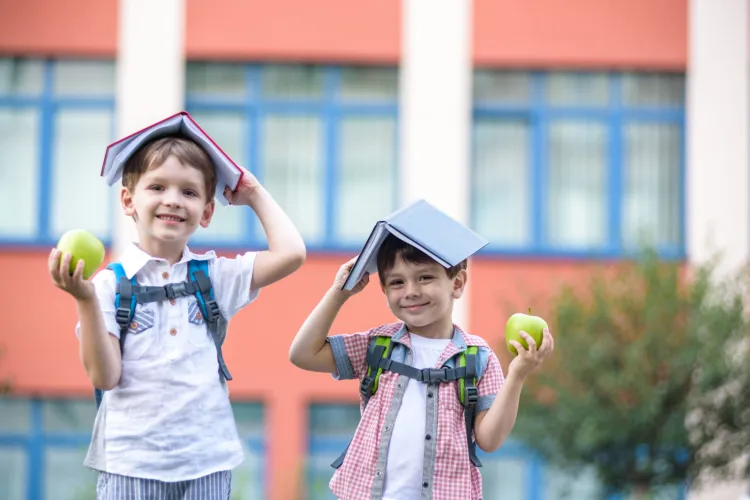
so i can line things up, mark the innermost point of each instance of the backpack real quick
(379, 359)
(128, 294)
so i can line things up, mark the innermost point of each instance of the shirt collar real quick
(133, 259)
(459, 338)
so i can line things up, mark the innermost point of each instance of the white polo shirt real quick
(169, 418)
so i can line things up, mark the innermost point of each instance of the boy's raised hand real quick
(59, 270)
(341, 276)
(247, 187)
(528, 360)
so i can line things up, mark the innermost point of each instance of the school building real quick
(561, 130)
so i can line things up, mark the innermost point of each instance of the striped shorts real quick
(216, 486)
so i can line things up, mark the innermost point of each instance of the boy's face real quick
(168, 203)
(421, 295)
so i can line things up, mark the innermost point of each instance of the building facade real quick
(564, 132)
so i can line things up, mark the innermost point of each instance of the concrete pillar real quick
(435, 108)
(718, 159)
(150, 76)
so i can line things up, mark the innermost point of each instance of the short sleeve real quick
(232, 282)
(104, 286)
(350, 353)
(489, 384)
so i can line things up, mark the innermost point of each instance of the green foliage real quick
(650, 382)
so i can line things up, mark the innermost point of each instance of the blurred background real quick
(567, 132)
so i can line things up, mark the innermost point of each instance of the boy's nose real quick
(411, 289)
(171, 198)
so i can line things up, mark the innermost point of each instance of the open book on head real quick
(181, 124)
(425, 227)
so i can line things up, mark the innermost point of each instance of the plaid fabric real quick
(454, 477)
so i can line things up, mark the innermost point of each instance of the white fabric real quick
(169, 418)
(403, 472)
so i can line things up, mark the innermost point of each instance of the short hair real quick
(156, 152)
(394, 247)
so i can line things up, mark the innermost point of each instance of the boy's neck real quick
(438, 330)
(171, 251)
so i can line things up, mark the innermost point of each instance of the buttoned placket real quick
(172, 316)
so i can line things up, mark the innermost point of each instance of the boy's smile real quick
(421, 295)
(168, 204)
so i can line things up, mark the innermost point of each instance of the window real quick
(331, 427)
(56, 119)
(321, 139)
(578, 163)
(43, 444)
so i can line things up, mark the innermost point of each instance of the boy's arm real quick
(313, 350)
(492, 428)
(99, 350)
(286, 249)
(310, 349)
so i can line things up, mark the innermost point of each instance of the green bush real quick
(650, 381)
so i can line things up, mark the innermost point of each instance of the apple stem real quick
(529, 311)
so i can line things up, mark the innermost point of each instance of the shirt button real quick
(387, 427)
(429, 394)
(428, 437)
(425, 484)
(398, 385)
(165, 275)
(172, 301)
(173, 332)
(378, 473)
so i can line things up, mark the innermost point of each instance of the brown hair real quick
(156, 152)
(394, 247)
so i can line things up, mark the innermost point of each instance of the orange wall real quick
(40, 355)
(539, 33)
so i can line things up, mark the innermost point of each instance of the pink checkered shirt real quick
(453, 477)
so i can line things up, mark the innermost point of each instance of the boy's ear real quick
(208, 213)
(126, 200)
(459, 283)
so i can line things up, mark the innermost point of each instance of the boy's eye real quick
(156, 187)
(394, 282)
(426, 277)
(190, 192)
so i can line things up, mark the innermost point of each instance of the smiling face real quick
(168, 203)
(420, 292)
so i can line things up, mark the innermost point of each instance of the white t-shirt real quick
(169, 418)
(403, 472)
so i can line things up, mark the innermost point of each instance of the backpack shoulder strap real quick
(379, 348)
(198, 272)
(469, 396)
(125, 301)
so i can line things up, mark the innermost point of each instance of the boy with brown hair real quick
(165, 428)
(430, 392)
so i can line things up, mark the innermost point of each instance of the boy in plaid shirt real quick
(411, 442)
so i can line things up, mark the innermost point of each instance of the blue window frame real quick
(321, 139)
(57, 119)
(43, 444)
(578, 164)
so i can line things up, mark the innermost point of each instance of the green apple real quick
(533, 325)
(82, 245)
